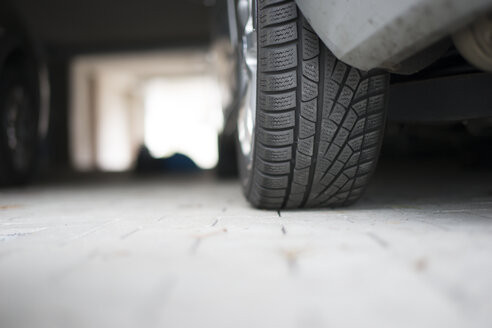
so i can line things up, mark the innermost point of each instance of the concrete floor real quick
(188, 251)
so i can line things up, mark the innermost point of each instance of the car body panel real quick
(371, 34)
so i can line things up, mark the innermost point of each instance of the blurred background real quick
(130, 82)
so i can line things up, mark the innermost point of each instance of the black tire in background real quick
(19, 115)
(319, 122)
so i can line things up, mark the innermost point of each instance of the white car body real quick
(371, 34)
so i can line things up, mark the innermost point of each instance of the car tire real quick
(19, 117)
(318, 122)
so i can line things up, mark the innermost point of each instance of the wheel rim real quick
(248, 54)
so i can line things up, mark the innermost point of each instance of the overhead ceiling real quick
(93, 24)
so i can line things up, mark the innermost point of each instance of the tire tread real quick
(319, 121)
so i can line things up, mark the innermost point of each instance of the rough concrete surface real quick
(188, 251)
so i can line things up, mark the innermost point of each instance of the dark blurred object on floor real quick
(176, 163)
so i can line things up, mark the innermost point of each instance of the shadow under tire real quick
(319, 122)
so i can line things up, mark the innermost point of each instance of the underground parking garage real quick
(234, 163)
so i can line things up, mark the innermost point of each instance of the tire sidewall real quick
(246, 171)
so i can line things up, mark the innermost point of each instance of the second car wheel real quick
(18, 123)
(310, 127)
